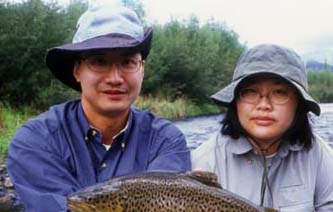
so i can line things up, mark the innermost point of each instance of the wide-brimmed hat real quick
(269, 59)
(101, 27)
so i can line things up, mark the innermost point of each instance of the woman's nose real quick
(264, 102)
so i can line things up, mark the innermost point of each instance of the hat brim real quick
(226, 95)
(61, 59)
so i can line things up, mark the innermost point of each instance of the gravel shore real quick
(8, 199)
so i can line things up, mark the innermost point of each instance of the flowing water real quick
(198, 130)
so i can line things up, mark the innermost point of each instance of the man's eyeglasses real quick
(102, 64)
(278, 96)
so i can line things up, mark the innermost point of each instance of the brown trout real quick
(160, 191)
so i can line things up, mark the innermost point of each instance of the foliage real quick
(27, 30)
(321, 85)
(12, 119)
(187, 59)
(190, 60)
(55, 93)
(174, 109)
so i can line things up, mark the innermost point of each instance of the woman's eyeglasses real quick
(278, 96)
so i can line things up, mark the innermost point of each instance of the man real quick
(82, 142)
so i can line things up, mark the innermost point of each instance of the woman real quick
(266, 150)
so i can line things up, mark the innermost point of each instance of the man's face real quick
(110, 80)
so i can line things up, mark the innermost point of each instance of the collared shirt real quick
(300, 180)
(58, 153)
(108, 146)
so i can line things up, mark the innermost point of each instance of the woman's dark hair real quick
(299, 132)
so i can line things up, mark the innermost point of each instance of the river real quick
(198, 130)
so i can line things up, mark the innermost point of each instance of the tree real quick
(28, 29)
(188, 59)
(1, 120)
(191, 60)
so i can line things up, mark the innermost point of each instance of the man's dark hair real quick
(299, 132)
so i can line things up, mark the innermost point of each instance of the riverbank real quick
(8, 198)
(180, 108)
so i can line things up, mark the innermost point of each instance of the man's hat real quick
(101, 27)
(269, 59)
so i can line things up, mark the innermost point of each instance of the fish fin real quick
(119, 209)
(207, 178)
(270, 210)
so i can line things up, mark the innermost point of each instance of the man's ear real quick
(143, 69)
(76, 71)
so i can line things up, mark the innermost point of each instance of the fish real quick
(160, 191)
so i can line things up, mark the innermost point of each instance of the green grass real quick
(12, 119)
(177, 109)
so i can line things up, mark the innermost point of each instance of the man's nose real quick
(114, 73)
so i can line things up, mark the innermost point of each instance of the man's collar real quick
(83, 121)
(90, 131)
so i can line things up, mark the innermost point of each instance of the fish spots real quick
(162, 192)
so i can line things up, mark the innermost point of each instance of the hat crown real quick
(104, 26)
(105, 19)
(267, 58)
(272, 59)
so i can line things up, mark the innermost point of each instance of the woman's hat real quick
(271, 59)
(101, 27)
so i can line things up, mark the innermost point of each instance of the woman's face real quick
(266, 108)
